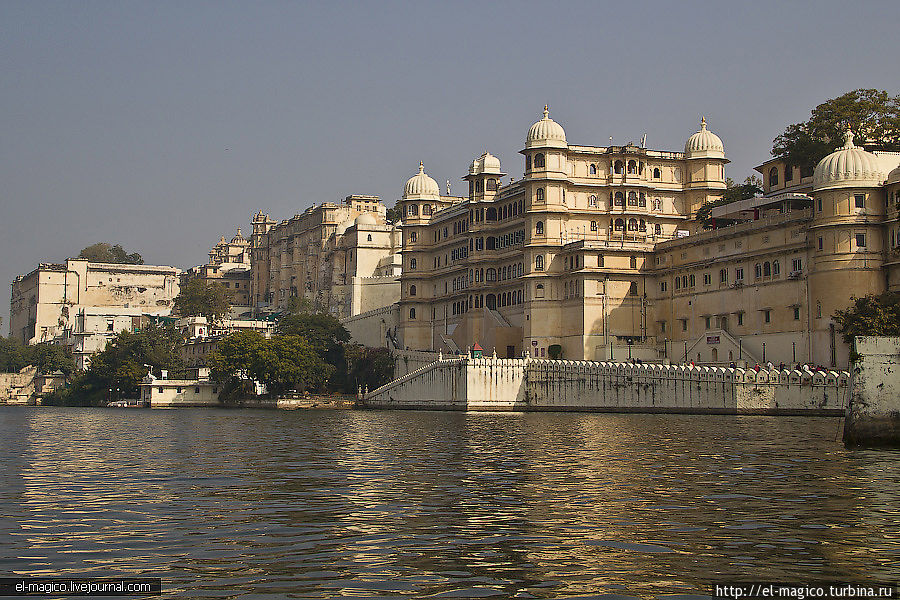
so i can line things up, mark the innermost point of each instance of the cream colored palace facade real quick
(595, 250)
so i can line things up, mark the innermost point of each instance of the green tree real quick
(874, 116)
(120, 366)
(324, 333)
(875, 314)
(733, 193)
(49, 358)
(107, 253)
(288, 362)
(198, 298)
(235, 356)
(394, 215)
(12, 356)
(372, 367)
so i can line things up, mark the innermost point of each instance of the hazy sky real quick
(163, 125)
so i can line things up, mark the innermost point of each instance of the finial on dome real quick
(239, 231)
(546, 111)
(848, 137)
(421, 167)
(702, 123)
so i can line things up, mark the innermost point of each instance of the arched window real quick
(642, 225)
(426, 209)
(492, 274)
(412, 290)
(633, 262)
(632, 224)
(657, 229)
(773, 177)
(684, 281)
(767, 269)
(592, 200)
(539, 290)
(656, 174)
(412, 313)
(633, 289)
(642, 200)
(492, 185)
(479, 186)
(539, 161)
(723, 275)
(657, 204)
(678, 283)
(620, 225)
(491, 301)
(539, 195)
(491, 214)
(632, 167)
(539, 263)
(592, 170)
(619, 199)
(413, 264)
(527, 163)
(757, 270)
(593, 225)
(412, 210)
(539, 228)
(413, 236)
(632, 199)
(776, 268)
(693, 280)
(618, 167)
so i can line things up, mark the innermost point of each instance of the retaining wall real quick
(535, 385)
(874, 415)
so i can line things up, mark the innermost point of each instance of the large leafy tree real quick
(324, 333)
(733, 193)
(288, 362)
(198, 298)
(48, 358)
(234, 356)
(870, 315)
(365, 366)
(120, 366)
(394, 215)
(874, 116)
(12, 356)
(108, 253)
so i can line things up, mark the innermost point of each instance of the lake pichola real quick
(265, 504)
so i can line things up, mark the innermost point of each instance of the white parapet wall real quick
(874, 415)
(540, 385)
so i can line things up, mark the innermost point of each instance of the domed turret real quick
(894, 176)
(486, 164)
(849, 166)
(238, 238)
(704, 144)
(421, 186)
(546, 133)
(366, 218)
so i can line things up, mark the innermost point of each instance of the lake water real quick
(356, 504)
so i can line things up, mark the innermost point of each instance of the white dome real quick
(421, 185)
(366, 218)
(704, 144)
(849, 166)
(546, 133)
(894, 176)
(487, 164)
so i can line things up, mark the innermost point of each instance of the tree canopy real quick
(733, 193)
(372, 367)
(875, 314)
(107, 253)
(324, 333)
(198, 298)
(48, 358)
(874, 116)
(120, 366)
(394, 215)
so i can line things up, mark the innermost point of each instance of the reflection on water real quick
(328, 504)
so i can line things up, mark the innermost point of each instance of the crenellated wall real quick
(536, 385)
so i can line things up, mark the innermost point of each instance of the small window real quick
(767, 316)
(656, 174)
(539, 263)
(739, 274)
(412, 290)
(821, 244)
(818, 310)
(592, 169)
(369, 238)
(160, 390)
(693, 280)
(708, 322)
(592, 201)
(618, 167)
(539, 228)
(757, 270)
(539, 161)
(820, 205)
(633, 262)
(796, 313)
(723, 275)
(740, 317)
(662, 326)
(767, 269)
(859, 200)
(412, 313)
(538, 195)
(773, 177)
(196, 390)
(776, 268)
(657, 229)
(593, 225)
(600, 260)
(412, 264)
(684, 324)
(788, 173)
(633, 289)
(707, 279)
(527, 163)
(860, 240)
(539, 290)
(413, 236)
(662, 286)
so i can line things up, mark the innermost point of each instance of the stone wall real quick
(536, 385)
(18, 388)
(874, 415)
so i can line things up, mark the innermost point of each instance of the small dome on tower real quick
(546, 133)
(704, 144)
(421, 185)
(487, 164)
(238, 238)
(894, 176)
(366, 218)
(849, 166)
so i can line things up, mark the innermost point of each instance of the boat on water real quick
(135, 403)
